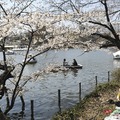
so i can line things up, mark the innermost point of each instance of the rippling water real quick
(44, 92)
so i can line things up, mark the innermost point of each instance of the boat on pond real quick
(116, 55)
(31, 60)
(10, 52)
(79, 66)
(20, 49)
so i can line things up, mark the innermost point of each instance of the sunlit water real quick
(45, 92)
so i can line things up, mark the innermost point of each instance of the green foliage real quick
(108, 86)
(116, 74)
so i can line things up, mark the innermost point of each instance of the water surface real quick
(44, 92)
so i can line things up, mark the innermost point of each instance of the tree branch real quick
(39, 54)
(109, 38)
(59, 7)
(72, 4)
(108, 20)
(114, 12)
(98, 23)
(4, 76)
(25, 8)
(85, 4)
(3, 10)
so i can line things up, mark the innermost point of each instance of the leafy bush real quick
(116, 74)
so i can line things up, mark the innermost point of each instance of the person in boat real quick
(64, 62)
(74, 62)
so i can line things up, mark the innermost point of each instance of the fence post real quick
(108, 76)
(79, 92)
(96, 81)
(59, 100)
(32, 109)
(23, 103)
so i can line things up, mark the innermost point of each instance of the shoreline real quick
(92, 107)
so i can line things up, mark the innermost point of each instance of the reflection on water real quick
(75, 72)
(45, 92)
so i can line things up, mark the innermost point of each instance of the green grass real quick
(103, 92)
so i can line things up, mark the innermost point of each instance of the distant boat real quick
(116, 55)
(32, 61)
(10, 52)
(79, 66)
(20, 49)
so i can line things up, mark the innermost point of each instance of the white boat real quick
(20, 49)
(32, 61)
(10, 52)
(116, 55)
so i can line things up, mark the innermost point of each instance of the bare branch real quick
(106, 10)
(89, 3)
(98, 23)
(102, 1)
(60, 6)
(3, 10)
(25, 8)
(73, 6)
(39, 54)
(114, 12)
(109, 38)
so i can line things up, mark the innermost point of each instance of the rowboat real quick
(79, 66)
(10, 52)
(116, 55)
(30, 61)
(20, 49)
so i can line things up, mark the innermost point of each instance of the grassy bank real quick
(94, 105)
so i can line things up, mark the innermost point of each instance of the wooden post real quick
(23, 106)
(96, 81)
(108, 76)
(79, 92)
(59, 101)
(23, 103)
(32, 109)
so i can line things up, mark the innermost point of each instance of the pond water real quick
(44, 92)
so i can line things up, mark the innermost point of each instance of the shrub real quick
(116, 74)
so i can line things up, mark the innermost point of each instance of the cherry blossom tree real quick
(41, 31)
(93, 17)
(17, 18)
(113, 39)
(45, 30)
